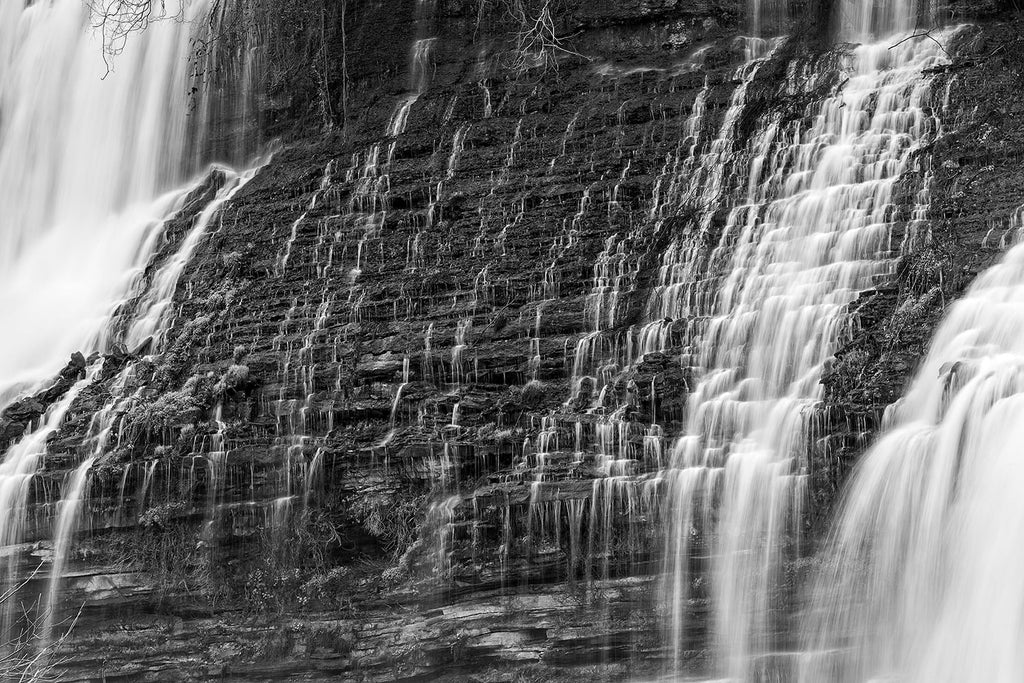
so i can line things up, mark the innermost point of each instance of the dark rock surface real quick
(350, 529)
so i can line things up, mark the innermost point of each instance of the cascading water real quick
(921, 575)
(808, 211)
(813, 230)
(860, 20)
(92, 146)
(82, 161)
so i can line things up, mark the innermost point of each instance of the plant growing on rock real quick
(510, 435)
(486, 432)
(235, 378)
(161, 515)
(394, 523)
(533, 394)
(267, 590)
(164, 545)
(174, 409)
(239, 353)
(169, 414)
(327, 589)
(232, 261)
(910, 317)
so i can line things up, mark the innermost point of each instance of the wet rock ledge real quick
(329, 473)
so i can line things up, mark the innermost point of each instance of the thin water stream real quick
(95, 162)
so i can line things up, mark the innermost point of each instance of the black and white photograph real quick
(512, 341)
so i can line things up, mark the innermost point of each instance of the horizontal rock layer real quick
(329, 468)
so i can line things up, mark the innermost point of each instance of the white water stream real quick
(813, 231)
(922, 576)
(93, 163)
(88, 160)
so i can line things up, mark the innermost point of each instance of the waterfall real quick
(921, 577)
(90, 145)
(83, 159)
(767, 17)
(304, 407)
(813, 230)
(860, 20)
(96, 130)
(789, 216)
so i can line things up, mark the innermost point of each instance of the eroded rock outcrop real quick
(331, 467)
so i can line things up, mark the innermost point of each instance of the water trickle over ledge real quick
(479, 385)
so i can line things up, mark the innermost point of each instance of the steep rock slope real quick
(331, 467)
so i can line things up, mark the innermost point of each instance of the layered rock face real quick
(408, 419)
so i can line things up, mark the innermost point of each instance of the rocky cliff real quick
(401, 426)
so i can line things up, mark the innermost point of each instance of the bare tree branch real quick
(921, 34)
(537, 41)
(29, 656)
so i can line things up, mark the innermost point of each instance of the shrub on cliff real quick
(161, 515)
(330, 588)
(235, 378)
(168, 414)
(533, 394)
(232, 262)
(172, 409)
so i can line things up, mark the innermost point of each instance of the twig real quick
(922, 34)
